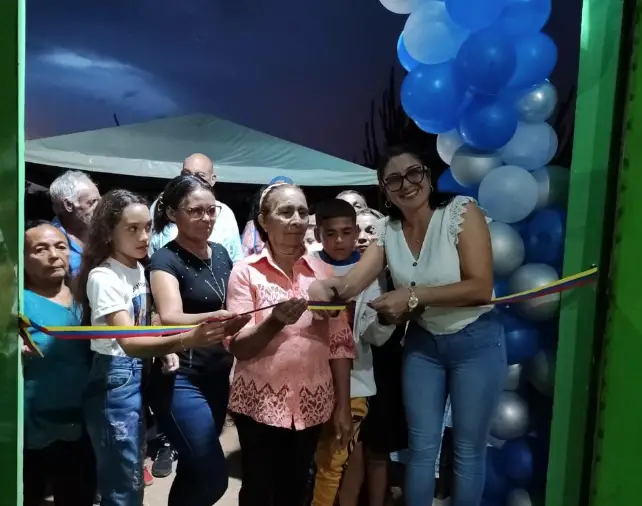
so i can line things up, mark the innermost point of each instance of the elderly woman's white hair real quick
(66, 186)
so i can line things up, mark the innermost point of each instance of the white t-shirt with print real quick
(113, 287)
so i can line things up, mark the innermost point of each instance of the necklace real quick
(220, 288)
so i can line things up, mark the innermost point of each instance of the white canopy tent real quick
(157, 148)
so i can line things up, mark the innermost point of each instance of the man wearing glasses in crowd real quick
(226, 230)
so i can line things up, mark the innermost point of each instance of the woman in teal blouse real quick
(56, 450)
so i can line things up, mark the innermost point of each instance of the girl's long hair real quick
(436, 198)
(99, 245)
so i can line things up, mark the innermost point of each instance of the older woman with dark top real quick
(437, 248)
(189, 278)
(293, 371)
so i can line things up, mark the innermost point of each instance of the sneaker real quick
(162, 466)
(147, 476)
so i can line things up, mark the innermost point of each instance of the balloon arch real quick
(478, 78)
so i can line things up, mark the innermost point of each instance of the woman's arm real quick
(108, 299)
(169, 305)
(476, 264)
(371, 330)
(371, 263)
(147, 347)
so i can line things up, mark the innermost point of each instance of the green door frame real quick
(596, 124)
(12, 59)
(618, 438)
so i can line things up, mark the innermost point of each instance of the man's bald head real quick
(200, 165)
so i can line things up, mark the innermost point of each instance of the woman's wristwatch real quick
(413, 301)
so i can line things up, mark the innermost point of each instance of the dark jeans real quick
(470, 365)
(190, 411)
(70, 469)
(114, 415)
(275, 463)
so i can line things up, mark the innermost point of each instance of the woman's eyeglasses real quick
(415, 175)
(197, 213)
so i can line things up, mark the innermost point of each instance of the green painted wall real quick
(11, 197)
(618, 453)
(601, 28)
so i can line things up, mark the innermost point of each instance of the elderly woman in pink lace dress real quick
(293, 371)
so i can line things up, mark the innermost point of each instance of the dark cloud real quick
(302, 70)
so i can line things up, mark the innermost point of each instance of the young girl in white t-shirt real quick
(112, 290)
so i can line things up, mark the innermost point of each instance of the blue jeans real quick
(190, 410)
(470, 365)
(114, 416)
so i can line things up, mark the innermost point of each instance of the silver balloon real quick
(469, 165)
(552, 183)
(447, 144)
(513, 377)
(511, 419)
(529, 277)
(538, 104)
(540, 371)
(518, 497)
(508, 248)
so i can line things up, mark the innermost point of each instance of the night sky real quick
(303, 70)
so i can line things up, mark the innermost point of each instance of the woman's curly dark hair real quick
(98, 247)
(436, 198)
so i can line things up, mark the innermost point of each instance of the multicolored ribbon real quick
(103, 332)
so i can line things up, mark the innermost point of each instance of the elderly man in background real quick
(226, 230)
(74, 197)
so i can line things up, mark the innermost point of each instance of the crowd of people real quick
(320, 398)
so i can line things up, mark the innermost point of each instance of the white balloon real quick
(401, 6)
(430, 36)
(533, 146)
(540, 371)
(513, 377)
(529, 277)
(508, 248)
(552, 182)
(469, 165)
(447, 144)
(511, 419)
(508, 193)
(538, 104)
(518, 497)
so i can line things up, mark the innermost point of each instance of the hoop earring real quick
(387, 204)
(432, 189)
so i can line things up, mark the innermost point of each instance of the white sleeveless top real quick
(437, 265)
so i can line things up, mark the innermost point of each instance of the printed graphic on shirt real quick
(140, 302)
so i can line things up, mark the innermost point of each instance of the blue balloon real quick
(496, 484)
(524, 17)
(544, 237)
(488, 124)
(447, 184)
(500, 287)
(406, 61)
(522, 339)
(516, 461)
(474, 14)
(486, 62)
(536, 59)
(430, 94)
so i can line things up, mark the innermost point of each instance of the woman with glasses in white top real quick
(437, 248)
